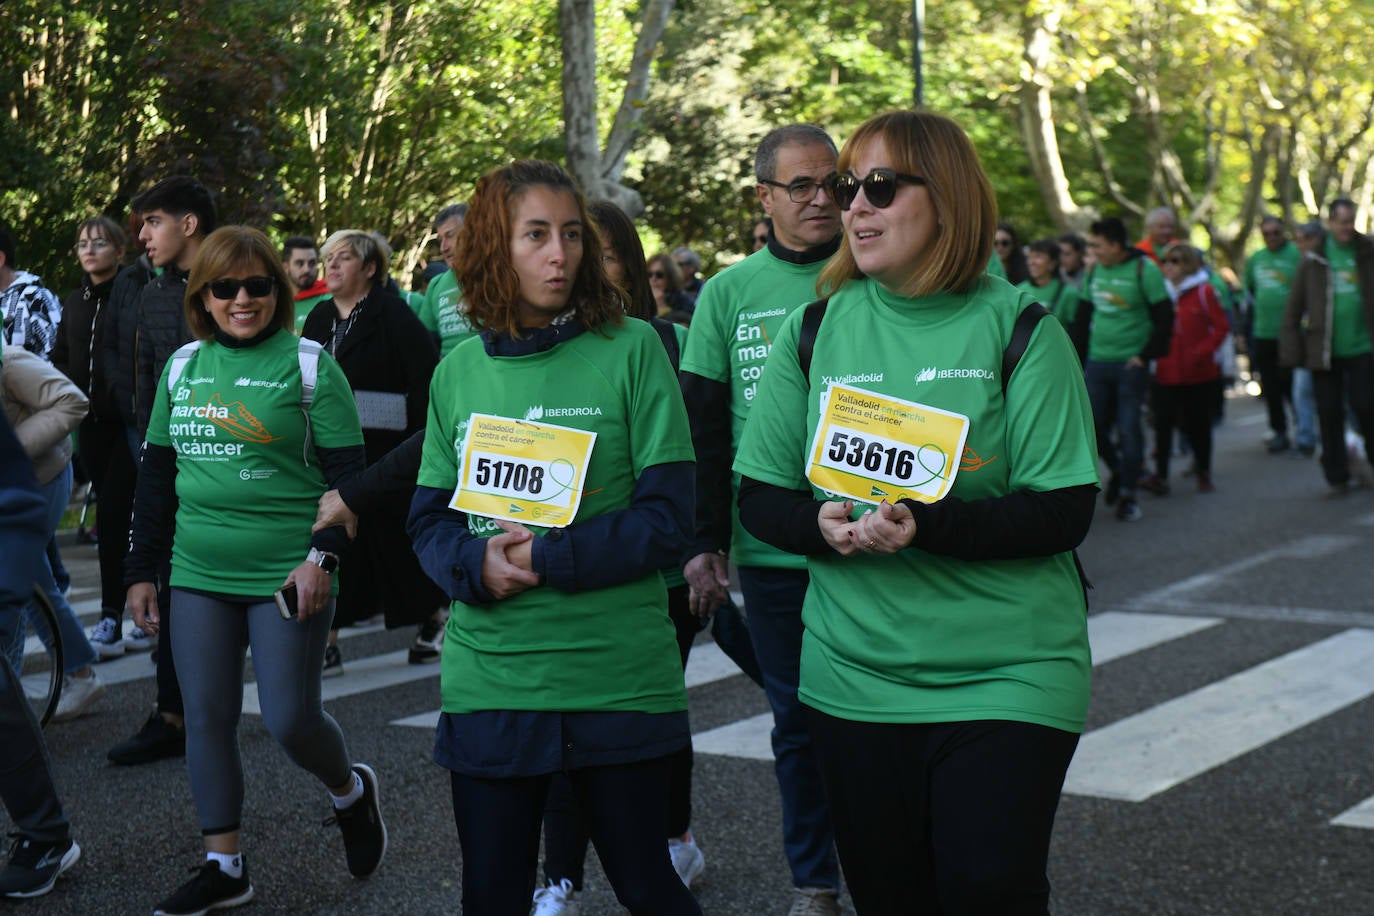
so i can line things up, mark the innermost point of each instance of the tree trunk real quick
(1037, 121)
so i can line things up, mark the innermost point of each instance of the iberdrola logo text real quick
(930, 374)
(540, 412)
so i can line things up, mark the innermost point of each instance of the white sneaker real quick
(106, 638)
(815, 901)
(139, 640)
(687, 859)
(78, 696)
(556, 900)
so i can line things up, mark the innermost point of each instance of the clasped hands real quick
(887, 529)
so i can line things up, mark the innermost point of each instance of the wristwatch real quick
(329, 562)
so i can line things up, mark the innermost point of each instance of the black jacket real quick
(161, 330)
(120, 336)
(386, 349)
(79, 349)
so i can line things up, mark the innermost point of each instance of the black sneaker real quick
(210, 889)
(333, 662)
(34, 866)
(364, 833)
(156, 740)
(428, 642)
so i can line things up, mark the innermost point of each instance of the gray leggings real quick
(209, 642)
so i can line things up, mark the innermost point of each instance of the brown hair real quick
(1186, 253)
(671, 272)
(481, 255)
(619, 236)
(936, 148)
(235, 248)
(102, 227)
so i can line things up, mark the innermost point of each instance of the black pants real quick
(622, 808)
(1187, 408)
(565, 837)
(110, 469)
(949, 818)
(1276, 383)
(1349, 380)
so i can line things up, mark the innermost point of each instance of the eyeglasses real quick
(1002, 243)
(683, 266)
(802, 190)
(879, 187)
(93, 245)
(657, 275)
(257, 287)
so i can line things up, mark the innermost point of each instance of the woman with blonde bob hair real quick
(555, 483)
(236, 456)
(938, 498)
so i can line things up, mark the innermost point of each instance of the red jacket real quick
(1200, 326)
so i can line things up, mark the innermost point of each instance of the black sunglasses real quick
(879, 186)
(229, 288)
(657, 275)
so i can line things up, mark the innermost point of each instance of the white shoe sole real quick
(140, 645)
(68, 860)
(108, 650)
(65, 712)
(226, 904)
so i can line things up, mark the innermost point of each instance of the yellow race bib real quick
(872, 448)
(522, 471)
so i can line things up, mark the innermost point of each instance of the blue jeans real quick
(77, 651)
(773, 602)
(1117, 394)
(1305, 408)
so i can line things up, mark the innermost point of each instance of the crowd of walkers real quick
(551, 460)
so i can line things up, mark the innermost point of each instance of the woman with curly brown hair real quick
(554, 486)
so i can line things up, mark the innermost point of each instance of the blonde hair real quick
(1192, 262)
(937, 149)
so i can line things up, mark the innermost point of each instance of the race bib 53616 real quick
(870, 447)
(522, 471)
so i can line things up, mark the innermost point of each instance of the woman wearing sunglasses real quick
(945, 664)
(240, 447)
(665, 279)
(555, 483)
(1187, 380)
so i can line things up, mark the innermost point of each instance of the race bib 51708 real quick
(522, 471)
(870, 447)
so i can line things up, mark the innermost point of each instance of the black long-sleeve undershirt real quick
(1019, 525)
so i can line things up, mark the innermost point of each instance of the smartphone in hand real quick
(286, 601)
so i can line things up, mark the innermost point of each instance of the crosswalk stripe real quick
(705, 665)
(1145, 754)
(1362, 815)
(1112, 635)
(366, 674)
(1115, 634)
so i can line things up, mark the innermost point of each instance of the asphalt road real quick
(1223, 771)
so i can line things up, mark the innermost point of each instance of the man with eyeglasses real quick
(1269, 276)
(738, 316)
(31, 311)
(1125, 319)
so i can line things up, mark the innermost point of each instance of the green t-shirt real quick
(1268, 278)
(734, 327)
(304, 307)
(1349, 334)
(607, 649)
(673, 577)
(1121, 297)
(443, 312)
(917, 636)
(995, 268)
(1058, 297)
(246, 496)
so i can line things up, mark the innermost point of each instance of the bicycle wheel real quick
(45, 704)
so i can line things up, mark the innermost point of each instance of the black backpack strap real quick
(806, 338)
(1020, 339)
(668, 335)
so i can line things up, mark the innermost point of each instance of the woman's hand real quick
(312, 589)
(141, 601)
(508, 564)
(836, 527)
(887, 529)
